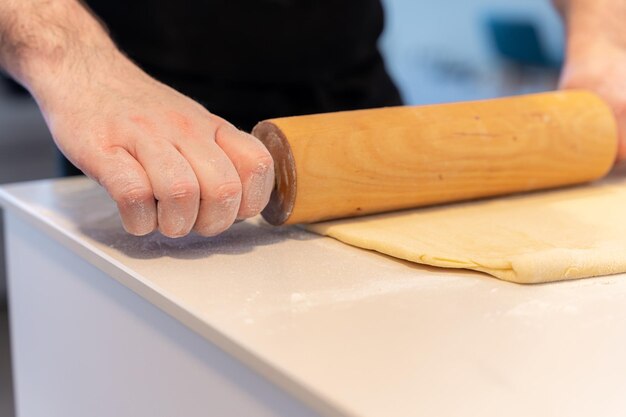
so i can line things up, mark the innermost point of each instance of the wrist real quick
(593, 23)
(62, 84)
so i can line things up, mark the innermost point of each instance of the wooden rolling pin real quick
(368, 161)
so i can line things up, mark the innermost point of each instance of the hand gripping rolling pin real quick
(360, 162)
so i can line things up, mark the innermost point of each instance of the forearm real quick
(593, 24)
(41, 40)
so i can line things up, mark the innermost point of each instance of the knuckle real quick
(259, 165)
(182, 191)
(256, 153)
(134, 195)
(228, 192)
(223, 129)
(263, 163)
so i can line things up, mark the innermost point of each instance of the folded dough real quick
(540, 237)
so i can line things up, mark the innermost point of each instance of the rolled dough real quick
(540, 237)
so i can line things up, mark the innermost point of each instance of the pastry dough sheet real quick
(541, 237)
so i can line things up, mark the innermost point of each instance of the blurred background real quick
(442, 51)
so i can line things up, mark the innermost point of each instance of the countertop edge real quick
(154, 296)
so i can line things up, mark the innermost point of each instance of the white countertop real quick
(353, 332)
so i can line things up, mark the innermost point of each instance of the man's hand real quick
(166, 161)
(596, 53)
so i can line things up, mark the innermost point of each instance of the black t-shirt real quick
(247, 60)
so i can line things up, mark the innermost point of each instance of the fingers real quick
(174, 184)
(254, 166)
(220, 186)
(203, 185)
(587, 76)
(127, 183)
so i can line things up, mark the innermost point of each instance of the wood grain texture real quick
(368, 161)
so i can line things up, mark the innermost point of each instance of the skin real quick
(596, 53)
(168, 163)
